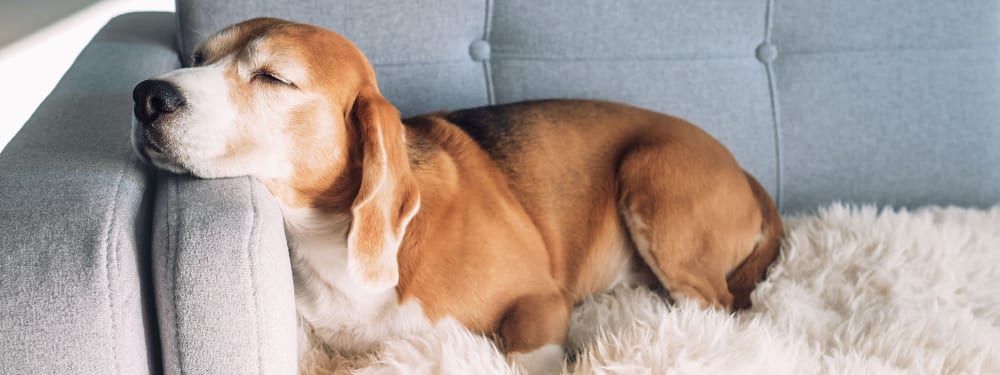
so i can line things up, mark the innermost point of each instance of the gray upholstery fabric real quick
(223, 280)
(893, 102)
(890, 102)
(75, 293)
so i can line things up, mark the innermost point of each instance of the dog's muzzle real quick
(156, 101)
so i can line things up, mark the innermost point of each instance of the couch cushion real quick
(223, 281)
(894, 102)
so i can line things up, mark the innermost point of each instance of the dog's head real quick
(257, 92)
(298, 107)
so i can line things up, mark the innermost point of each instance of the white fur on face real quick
(202, 129)
(213, 136)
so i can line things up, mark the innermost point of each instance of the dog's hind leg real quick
(692, 217)
(743, 280)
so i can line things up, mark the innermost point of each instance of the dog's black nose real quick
(154, 98)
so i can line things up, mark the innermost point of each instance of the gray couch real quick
(108, 267)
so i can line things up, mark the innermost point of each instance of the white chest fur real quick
(340, 314)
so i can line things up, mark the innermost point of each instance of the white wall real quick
(32, 66)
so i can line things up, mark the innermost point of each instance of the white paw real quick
(547, 359)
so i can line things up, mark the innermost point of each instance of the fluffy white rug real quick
(856, 291)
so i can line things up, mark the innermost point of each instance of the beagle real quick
(500, 217)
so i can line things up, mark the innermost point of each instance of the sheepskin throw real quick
(856, 291)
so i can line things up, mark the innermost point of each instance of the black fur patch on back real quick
(419, 149)
(495, 128)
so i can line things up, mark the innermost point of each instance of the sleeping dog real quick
(500, 217)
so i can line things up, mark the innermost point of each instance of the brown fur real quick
(745, 277)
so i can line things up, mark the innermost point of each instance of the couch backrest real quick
(889, 102)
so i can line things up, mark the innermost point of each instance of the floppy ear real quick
(387, 199)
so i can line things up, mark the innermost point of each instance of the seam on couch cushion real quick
(111, 250)
(487, 65)
(551, 57)
(418, 63)
(253, 243)
(172, 255)
(775, 115)
(886, 50)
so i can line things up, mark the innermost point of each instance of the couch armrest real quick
(223, 278)
(75, 208)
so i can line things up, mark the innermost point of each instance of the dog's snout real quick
(154, 98)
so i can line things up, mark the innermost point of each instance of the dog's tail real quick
(744, 278)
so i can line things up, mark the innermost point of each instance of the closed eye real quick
(269, 77)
